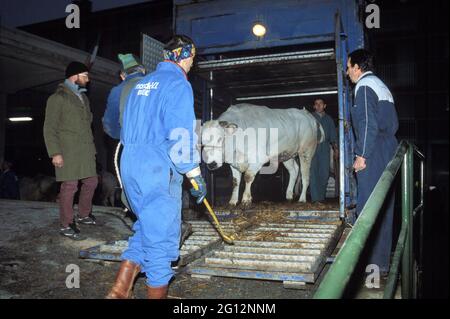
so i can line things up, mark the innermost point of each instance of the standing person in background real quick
(9, 183)
(132, 71)
(70, 145)
(375, 123)
(320, 164)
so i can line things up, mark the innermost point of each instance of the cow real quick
(38, 188)
(294, 131)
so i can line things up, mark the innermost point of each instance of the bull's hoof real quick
(246, 205)
(232, 205)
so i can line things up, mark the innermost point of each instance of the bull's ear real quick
(231, 128)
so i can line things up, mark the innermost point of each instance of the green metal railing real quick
(339, 274)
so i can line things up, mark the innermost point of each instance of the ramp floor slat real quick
(203, 238)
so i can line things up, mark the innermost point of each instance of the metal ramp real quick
(293, 251)
(203, 238)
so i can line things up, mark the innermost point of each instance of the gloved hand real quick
(200, 192)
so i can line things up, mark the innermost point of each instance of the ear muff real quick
(178, 54)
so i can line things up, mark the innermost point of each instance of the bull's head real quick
(214, 134)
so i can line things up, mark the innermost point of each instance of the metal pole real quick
(211, 116)
(339, 274)
(406, 220)
(391, 283)
(341, 117)
(412, 265)
(422, 178)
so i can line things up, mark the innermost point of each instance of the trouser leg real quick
(160, 240)
(88, 186)
(66, 195)
(313, 180)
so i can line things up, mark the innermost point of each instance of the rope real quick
(116, 166)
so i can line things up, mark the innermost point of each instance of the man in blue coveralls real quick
(159, 147)
(132, 71)
(320, 164)
(375, 122)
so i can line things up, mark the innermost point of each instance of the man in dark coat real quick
(70, 145)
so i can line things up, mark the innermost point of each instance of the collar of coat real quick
(75, 88)
(64, 90)
(170, 65)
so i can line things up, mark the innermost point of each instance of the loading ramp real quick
(293, 249)
(277, 244)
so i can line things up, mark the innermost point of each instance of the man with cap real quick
(70, 144)
(159, 148)
(132, 71)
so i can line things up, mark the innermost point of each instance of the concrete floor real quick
(35, 261)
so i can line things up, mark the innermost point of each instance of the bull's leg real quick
(305, 165)
(292, 167)
(249, 177)
(236, 183)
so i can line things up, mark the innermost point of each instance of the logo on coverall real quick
(145, 88)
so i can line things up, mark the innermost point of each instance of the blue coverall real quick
(111, 124)
(152, 161)
(375, 123)
(320, 164)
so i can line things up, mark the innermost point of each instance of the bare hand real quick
(58, 161)
(336, 155)
(359, 164)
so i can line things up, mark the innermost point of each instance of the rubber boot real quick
(124, 281)
(157, 292)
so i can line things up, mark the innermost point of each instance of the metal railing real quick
(338, 276)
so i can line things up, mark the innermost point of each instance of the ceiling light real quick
(258, 29)
(21, 119)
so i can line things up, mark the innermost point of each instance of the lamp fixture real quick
(259, 29)
(21, 119)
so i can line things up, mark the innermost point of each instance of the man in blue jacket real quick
(132, 71)
(375, 123)
(159, 148)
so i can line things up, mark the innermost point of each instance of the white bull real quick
(240, 133)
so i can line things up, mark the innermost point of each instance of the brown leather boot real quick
(124, 281)
(157, 292)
